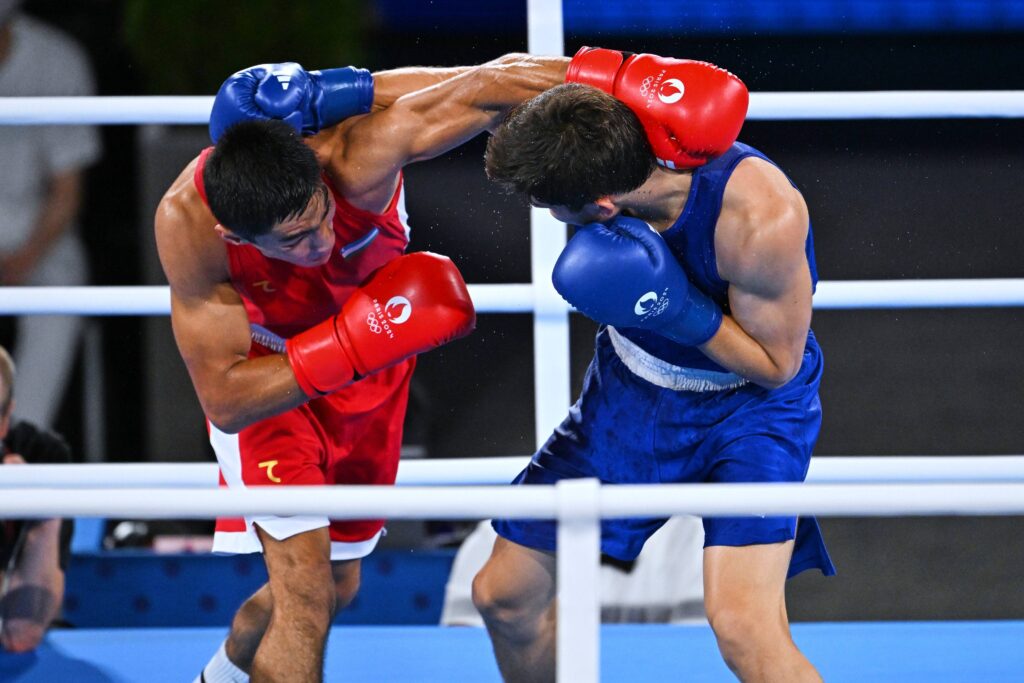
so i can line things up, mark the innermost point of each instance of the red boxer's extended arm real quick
(394, 83)
(365, 157)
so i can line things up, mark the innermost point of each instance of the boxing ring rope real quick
(764, 106)
(520, 298)
(501, 470)
(521, 502)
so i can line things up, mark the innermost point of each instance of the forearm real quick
(389, 85)
(249, 391)
(475, 101)
(738, 352)
(505, 83)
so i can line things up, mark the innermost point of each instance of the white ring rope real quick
(501, 470)
(518, 298)
(520, 502)
(156, 300)
(764, 106)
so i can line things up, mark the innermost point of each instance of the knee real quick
(741, 633)
(499, 604)
(731, 627)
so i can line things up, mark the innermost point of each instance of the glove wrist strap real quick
(346, 91)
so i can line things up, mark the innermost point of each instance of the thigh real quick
(609, 435)
(746, 459)
(281, 450)
(284, 449)
(363, 449)
(767, 458)
(750, 578)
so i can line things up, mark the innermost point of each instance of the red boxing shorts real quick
(353, 436)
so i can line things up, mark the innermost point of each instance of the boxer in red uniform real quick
(299, 316)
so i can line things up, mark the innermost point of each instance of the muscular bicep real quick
(213, 336)
(776, 315)
(761, 251)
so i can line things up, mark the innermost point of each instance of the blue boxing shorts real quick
(628, 430)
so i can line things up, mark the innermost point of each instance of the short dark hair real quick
(570, 146)
(259, 174)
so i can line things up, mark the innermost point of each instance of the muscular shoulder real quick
(359, 160)
(763, 224)
(193, 256)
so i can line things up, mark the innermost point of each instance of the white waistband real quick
(668, 376)
(265, 337)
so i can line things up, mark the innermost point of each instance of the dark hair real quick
(259, 174)
(570, 146)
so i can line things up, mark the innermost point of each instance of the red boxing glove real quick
(691, 111)
(412, 304)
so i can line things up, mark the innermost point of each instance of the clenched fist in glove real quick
(308, 101)
(692, 111)
(412, 304)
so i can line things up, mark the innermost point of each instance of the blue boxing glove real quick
(308, 101)
(623, 274)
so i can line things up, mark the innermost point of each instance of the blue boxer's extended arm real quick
(623, 274)
(309, 101)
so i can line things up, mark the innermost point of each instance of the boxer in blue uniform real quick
(701, 270)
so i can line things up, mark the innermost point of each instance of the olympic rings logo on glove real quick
(373, 323)
(645, 85)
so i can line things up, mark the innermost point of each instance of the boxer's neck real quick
(660, 200)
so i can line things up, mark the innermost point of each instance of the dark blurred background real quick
(888, 200)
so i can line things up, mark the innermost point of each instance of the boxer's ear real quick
(227, 235)
(605, 208)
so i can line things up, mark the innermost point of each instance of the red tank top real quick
(285, 299)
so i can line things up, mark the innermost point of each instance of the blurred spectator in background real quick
(664, 584)
(33, 554)
(40, 194)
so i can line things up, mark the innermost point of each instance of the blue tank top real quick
(692, 240)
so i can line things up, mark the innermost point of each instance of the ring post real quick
(578, 565)
(547, 239)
